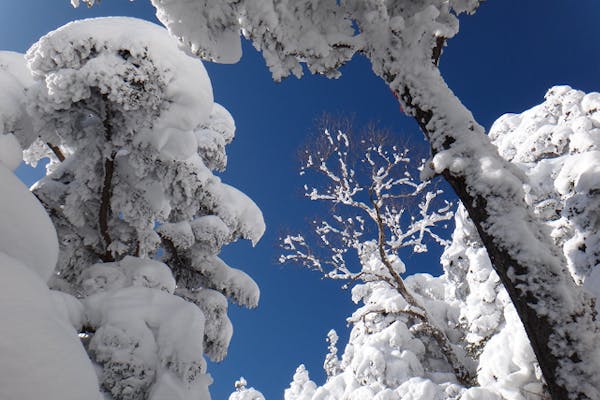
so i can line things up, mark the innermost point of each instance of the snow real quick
(148, 332)
(135, 121)
(218, 329)
(241, 213)
(180, 233)
(38, 340)
(186, 101)
(14, 64)
(546, 143)
(210, 233)
(232, 282)
(147, 339)
(24, 221)
(128, 120)
(505, 189)
(579, 173)
(14, 78)
(592, 285)
(562, 164)
(244, 393)
(387, 358)
(170, 108)
(398, 38)
(222, 122)
(205, 28)
(69, 307)
(301, 388)
(41, 353)
(130, 271)
(507, 363)
(11, 154)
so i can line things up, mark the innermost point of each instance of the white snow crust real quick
(14, 79)
(557, 144)
(11, 153)
(153, 335)
(241, 213)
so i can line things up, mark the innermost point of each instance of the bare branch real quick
(389, 179)
(57, 151)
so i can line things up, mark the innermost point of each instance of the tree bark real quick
(104, 213)
(107, 189)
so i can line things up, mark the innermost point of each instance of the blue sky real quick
(503, 60)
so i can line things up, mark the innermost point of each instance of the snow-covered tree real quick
(133, 136)
(244, 393)
(404, 41)
(301, 388)
(361, 240)
(555, 145)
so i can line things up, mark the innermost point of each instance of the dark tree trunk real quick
(542, 329)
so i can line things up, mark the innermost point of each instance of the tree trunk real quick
(558, 316)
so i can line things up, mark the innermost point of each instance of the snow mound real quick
(592, 284)
(25, 228)
(14, 79)
(568, 121)
(232, 282)
(11, 154)
(42, 357)
(239, 211)
(206, 28)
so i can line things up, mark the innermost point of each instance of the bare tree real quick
(369, 225)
